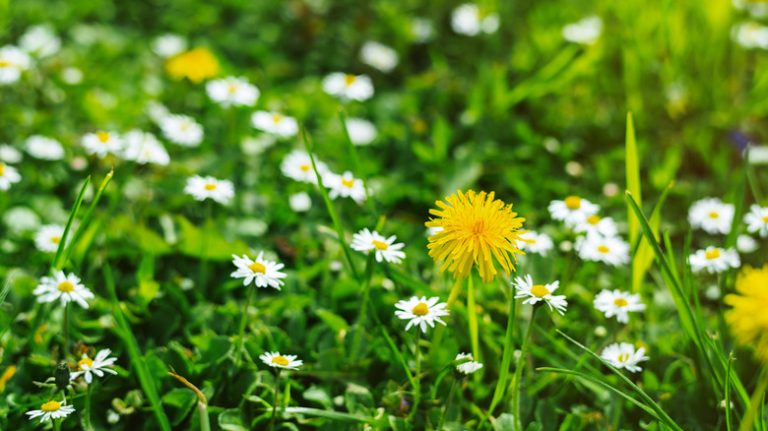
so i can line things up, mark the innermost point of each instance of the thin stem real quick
(472, 314)
(506, 357)
(274, 403)
(519, 369)
(203, 270)
(447, 404)
(87, 414)
(416, 377)
(66, 330)
(360, 325)
(755, 401)
(438, 335)
(243, 324)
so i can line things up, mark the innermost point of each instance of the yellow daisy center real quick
(765, 218)
(5, 63)
(51, 406)
(2, 169)
(539, 290)
(381, 245)
(623, 357)
(66, 286)
(305, 168)
(280, 360)
(276, 118)
(713, 215)
(210, 186)
(573, 202)
(231, 88)
(103, 137)
(88, 362)
(348, 183)
(620, 302)
(258, 267)
(421, 309)
(349, 79)
(712, 254)
(55, 239)
(593, 219)
(603, 248)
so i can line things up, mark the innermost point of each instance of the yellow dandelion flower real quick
(196, 65)
(747, 318)
(475, 229)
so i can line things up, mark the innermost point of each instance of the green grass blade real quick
(632, 167)
(87, 217)
(134, 352)
(643, 256)
(728, 425)
(329, 414)
(329, 206)
(506, 358)
(58, 262)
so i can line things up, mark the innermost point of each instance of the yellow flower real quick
(476, 229)
(747, 318)
(196, 65)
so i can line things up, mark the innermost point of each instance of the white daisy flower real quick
(182, 130)
(618, 303)
(143, 148)
(157, 112)
(99, 365)
(361, 131)
(757, 220)
(51, 410)
(8, 175)
(48, 238)
(421, 312)
(572, 210)
(64, 288)
(298, 166)
(262, 272)
(44, 148)
(72, 75)
(711, 215)
(746, 244)
(40, 41)
(286, 362)
(13, 62)
(611, 250)
(469, 20)
(533, 293)
(379, 56)
(202, 188)
(751, 35)
(168, 45)
(345, 186)
(468, 365)
(232, 91)
(537, 243)
(585, 31)
(421, 30)
(275, 123)
(596, 225)
(714, 260)
(624, 355)
(366, 241)
(102, 143)
(300, 202)
(348, 87)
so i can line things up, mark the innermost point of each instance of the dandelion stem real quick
(447, 404)
(243, 324)
(274, 402)
(519, 370)
(472, 314)
(360, 325)
(506, 357)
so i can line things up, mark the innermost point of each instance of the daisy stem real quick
(506, 357)
(438, 336)
(447, 404)
(87, 413)
(416, 377)
(519, 370)
(758, 397)
(66, 331)
(472, 314)
(243, 324)
(57, 424)
(274, 403)
(360, 325)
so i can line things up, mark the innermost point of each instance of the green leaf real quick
(183, 400)
(643, 256)
(319, 395)
(334, 321)
(206, 242)
(231, 420)
(632, 165)
(505, 422)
